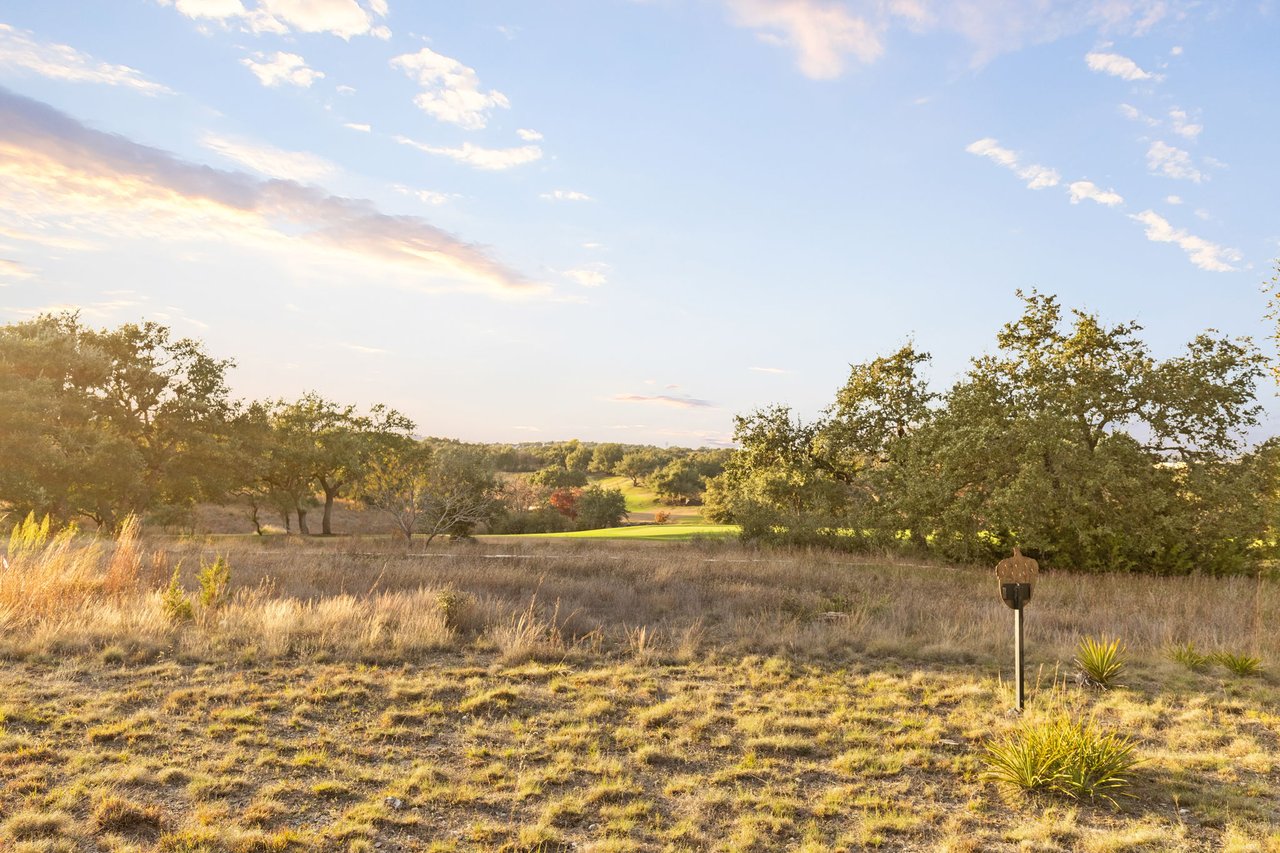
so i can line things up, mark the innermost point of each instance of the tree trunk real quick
(330, 492)
(302, 522)
(288, 522)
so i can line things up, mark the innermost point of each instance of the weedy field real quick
(604, 696)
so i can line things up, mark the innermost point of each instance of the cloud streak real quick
(1204, 254)
(269, 160)
(478, 157)
(342, 18)
(56, 170)
(20, 50)
(1037, 177)
(1117, 66)
(663, 400)
(1164, 159)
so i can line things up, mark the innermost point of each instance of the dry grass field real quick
(596, 696)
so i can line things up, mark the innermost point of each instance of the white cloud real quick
(342, 18)
(490, 159)
(1202, 214)
(592, 275)
(565, 195)
(1173, 162)
(822, 34)
(451, 90)
(663, 399)
(1173, 199)
(10, 268)
(1037, 176)
(528, 135)
(1117, 66)
(1183, 125)
(56, 171)
(769, 370)
(593, 245)
(1176, 50)
(363, 128)
(269, 160)
(1134, 114)
(19, 50)
(431, 197)
(272, 70)
(1087, 189)
(1205, 255)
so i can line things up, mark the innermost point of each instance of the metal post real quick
(1017, 655)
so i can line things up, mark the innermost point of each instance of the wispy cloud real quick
(1173, 199)
(451, 90)
(342, 18)
(1117, 66)
(363, 128)
(269, 160)
(822, 35)
(1081, 190)
(592, 275)
(528, 135)
(663, 400)
(1037, 176)
(10, 268)
(769, 370)
(565, 195)
(1204, 254)
(20, 50)
(490, 159)
(1132, 113)
(57, 170)
(825, 35)
(1172, 162)
(431, 197)
(281, 68)
(1184, 125)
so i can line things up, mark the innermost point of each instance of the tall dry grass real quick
(352, 600)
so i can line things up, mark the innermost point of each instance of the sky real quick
(629, 221)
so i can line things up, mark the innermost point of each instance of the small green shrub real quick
(214, 579)
(175, 602)
(1187, 655)
(1100, 661)
(1063, 756)
(1242, 665)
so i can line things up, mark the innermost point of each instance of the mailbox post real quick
(1016, 575)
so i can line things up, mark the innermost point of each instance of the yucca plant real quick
(1243, 665)
(1100, 661)
(1187, 655)
(1065, 757)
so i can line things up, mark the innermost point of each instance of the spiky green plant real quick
(1063, 756)
(1187, 655)
(1239, 664)
(214, 578)
(176, 604)
(1100, 660)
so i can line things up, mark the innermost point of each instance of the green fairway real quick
(661, 532)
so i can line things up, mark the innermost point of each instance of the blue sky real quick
(629, 221)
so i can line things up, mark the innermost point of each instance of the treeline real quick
(1069, 439)
(102, 424)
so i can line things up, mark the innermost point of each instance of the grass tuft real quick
(1100, 660)
(1063, 756)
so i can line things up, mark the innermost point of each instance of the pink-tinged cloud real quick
(55, 170)
(663, 400)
